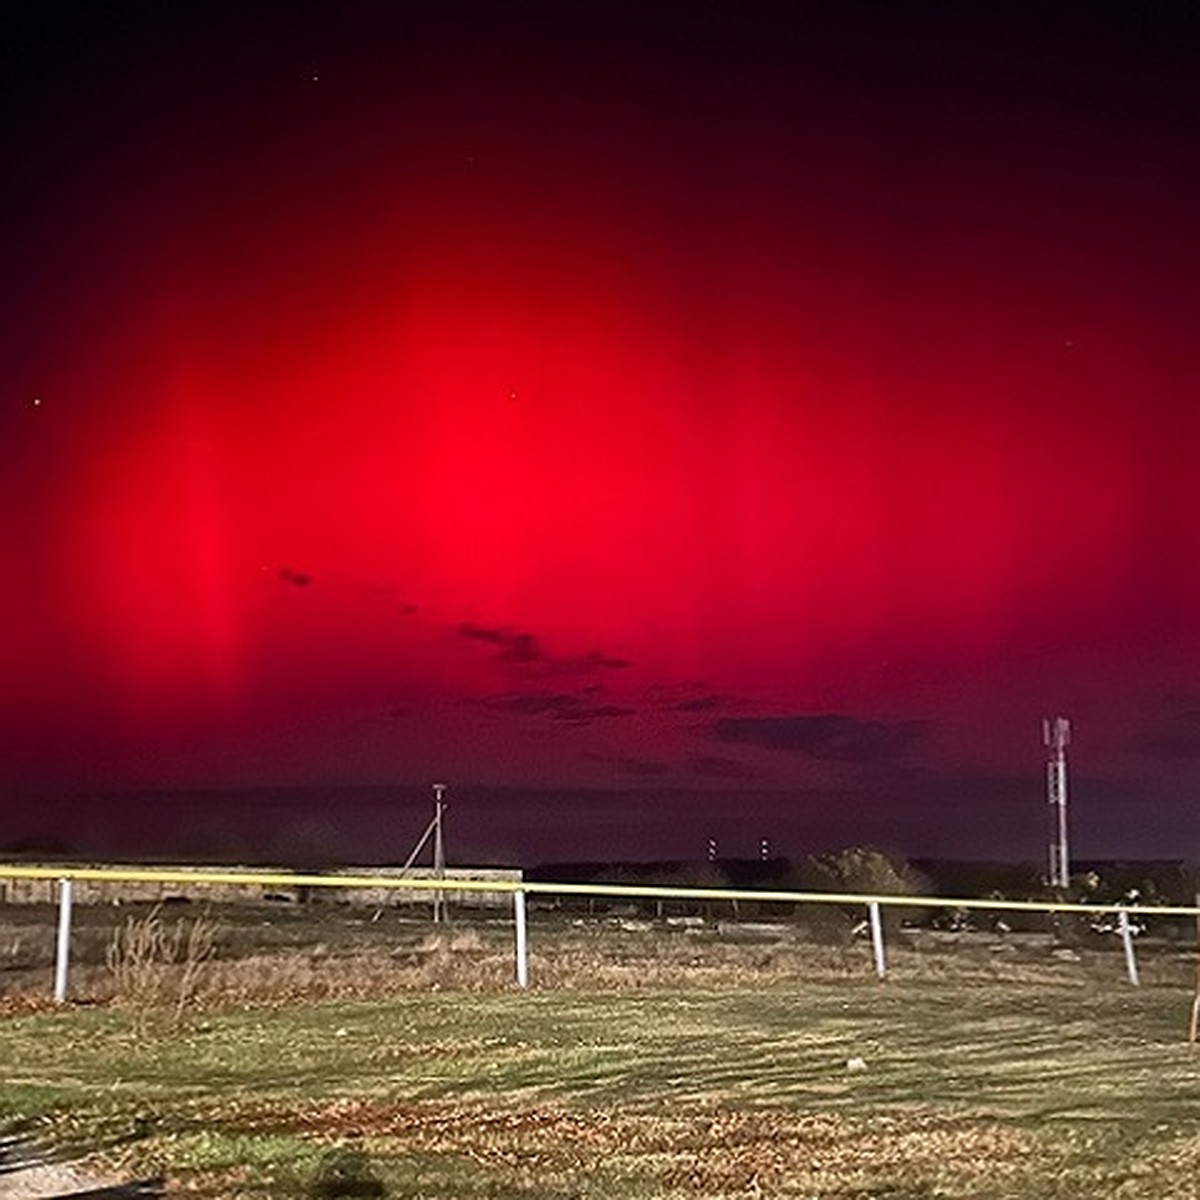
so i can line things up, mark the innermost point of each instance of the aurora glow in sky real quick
(664, 399)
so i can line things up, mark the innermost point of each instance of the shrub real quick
(865, 870)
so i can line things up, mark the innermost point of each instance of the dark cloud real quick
(700, 704)
(641, 767)
(717, 767)
(522, 648)
(558, 706)
(1176, 737)
(483, 633)
(512, 646)
(828, 736)
(525, 650)
(694, 696)
(295, 578)
(594, 660)
(594, 713)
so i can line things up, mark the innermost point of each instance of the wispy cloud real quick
(693, 697)
(829, 736)
(520, 649)
(574, 708)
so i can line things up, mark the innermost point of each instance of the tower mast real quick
(1056, 734)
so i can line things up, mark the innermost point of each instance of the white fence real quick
(65, 879)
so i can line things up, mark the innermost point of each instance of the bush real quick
(864, 870)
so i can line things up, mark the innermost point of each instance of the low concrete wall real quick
(86, 891)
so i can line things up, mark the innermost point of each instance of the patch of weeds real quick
(159, 967)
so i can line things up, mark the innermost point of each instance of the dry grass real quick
(245, 955)
(160, 967)
(455, 960)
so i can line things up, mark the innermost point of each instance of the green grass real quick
(987, 1089)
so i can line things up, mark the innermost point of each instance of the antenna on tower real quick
(1056, 735)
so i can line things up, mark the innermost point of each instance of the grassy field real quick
(649, 1060)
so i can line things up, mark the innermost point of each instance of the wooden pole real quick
(439, 857)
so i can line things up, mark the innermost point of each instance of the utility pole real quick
(1056, 735)
(439, 852)
(432, 830)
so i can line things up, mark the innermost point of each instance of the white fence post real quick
(877, 938)
(522, 947)
(63, 954)
(1131, 966)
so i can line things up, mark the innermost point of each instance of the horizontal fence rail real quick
(531, 887)
(520, 890)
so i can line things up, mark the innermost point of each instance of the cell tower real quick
(1056, 734)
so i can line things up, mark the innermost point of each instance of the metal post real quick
(877, 938)
(63, 953)
(1192, 1030)
(522, 945)
(1131, 966)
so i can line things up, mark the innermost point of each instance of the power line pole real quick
(439, 852)
(1056, 735)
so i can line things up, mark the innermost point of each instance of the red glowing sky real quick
(582, 401)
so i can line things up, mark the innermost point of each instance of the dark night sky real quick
(685, 418)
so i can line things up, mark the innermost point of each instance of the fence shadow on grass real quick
(21, 1151)
(142, 1189)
